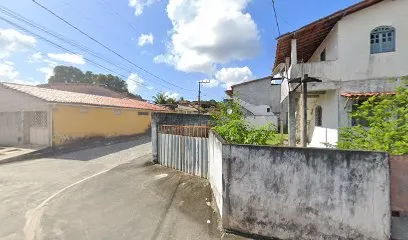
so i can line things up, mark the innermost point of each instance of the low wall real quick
(215, 144)
(304, 193)
(159, 118)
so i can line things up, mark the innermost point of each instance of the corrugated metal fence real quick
(184, 148)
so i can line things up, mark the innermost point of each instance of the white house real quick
(259, 99)
(355, 52)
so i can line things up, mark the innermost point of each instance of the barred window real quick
(382, 39)
(39, 119)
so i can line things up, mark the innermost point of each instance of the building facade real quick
(260, 101)
(32, 115)
(357, 52)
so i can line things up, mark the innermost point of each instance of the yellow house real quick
(40, 116)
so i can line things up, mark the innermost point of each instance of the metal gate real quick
(38, 128)
(10, 128)
(184, 148)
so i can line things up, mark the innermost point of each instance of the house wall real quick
(13, 101)
(355, 60)
(256, 97)
(71, 122)
(305, 193)
(15, 111)
(330, 43)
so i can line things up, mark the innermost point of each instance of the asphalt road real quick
(107, 192)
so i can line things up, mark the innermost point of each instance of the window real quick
(318, 116)
(268, 110)
(323, 55)
(143, 113)
(382, 39)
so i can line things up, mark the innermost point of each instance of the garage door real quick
(10, 128)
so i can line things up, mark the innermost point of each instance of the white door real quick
(39, 128)
(10, 128)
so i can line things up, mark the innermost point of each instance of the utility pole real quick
(199, 94)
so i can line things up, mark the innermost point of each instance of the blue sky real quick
(179, 41)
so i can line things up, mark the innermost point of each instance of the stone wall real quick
(304, 193)
(159, 118)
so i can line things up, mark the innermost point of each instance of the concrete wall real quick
(215, 143)
(300, 193)
(330, 44)
(159, 118)
(71, 122)
(13, 101)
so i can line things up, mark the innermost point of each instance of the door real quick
(38, 128)
(10, 128)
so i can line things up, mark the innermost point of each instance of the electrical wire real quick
(106, 47)
(276, 16)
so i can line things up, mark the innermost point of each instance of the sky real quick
(154, 45)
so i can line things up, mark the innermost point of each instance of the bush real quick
(229, 123)
(385, 125)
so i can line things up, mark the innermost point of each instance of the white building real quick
(259, 100)
(355, 52)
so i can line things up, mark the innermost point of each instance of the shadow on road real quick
(90, 150)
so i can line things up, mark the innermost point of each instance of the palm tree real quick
(160, 98)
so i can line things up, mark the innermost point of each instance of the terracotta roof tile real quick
(366, 94)
(58, 96)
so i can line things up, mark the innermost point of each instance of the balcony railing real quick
(325, 71)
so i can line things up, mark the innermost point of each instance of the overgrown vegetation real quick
(230, 124)
(385, 120)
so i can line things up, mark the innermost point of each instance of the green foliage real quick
(385, 125)
(229, 123)
(162, 98)
(69, 74)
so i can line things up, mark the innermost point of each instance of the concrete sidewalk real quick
(7, 153)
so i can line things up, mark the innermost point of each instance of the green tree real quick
(229, 122)
(65, 74)
(69, 74)
(385, 127)
(160, 98)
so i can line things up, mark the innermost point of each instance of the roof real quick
(312, 35)
(58, 96)
(87, 88)
(366, 94)
(251, 81)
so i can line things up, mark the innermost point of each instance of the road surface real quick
(107, 192)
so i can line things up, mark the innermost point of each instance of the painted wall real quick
(72, 122)
(215, 167)
(355, 59)
(306, 193)
(330, 43)
(13, 101)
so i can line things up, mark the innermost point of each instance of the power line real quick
(65, 49)
(104, 46)
(276, 16)
(31, 23)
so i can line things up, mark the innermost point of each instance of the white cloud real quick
(145, 39)
(14, 41)
(172, 95)
(9, 74)
(67, 57)
(227, 77)
(150, 87)
(7, 71)
(204, 36)
(139, 5)
(48, 72)
(134, 83)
